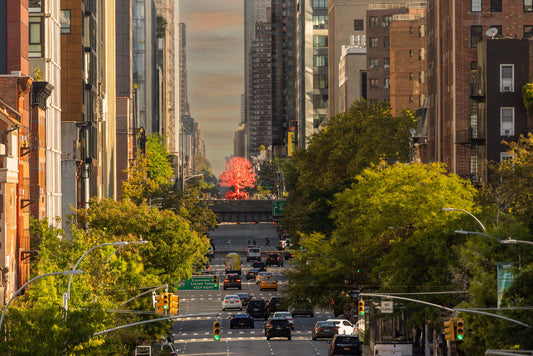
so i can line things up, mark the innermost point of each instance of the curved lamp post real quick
(467, 212)
(70, 272)
(185, 179)
(505, 242)
(118, 243)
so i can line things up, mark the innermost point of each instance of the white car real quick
(231, 301)
(344, 327)
(262, 275)
(253, 253)
(285, 314)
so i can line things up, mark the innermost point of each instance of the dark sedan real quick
(345, 345)
(252, 273)
(245, 298)
(324, 329)
(241, 321)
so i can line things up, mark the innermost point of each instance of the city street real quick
(194, 335)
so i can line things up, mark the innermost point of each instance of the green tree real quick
(349, 143)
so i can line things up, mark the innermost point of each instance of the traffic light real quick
(215, 281)
(174, 304)
(166, 301)
(460, 329)
(159, 304)
(361, 307)
(449, 329)
(216, 330)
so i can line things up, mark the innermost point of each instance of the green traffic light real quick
(459, 337)
(217, 337)
(361, 313)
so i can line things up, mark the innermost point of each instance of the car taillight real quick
(320, 329)
(238, 280)
(226, 280)
(269, 325)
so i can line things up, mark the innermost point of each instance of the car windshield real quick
(243, 295)
(325, 324)
(254, 250)
(236, 297)
(283, 314)
(256, 303)
(346, 340)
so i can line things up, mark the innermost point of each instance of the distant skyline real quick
(215, 71)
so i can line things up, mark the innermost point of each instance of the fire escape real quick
(474, 138)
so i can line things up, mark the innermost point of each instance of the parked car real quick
(268, 283)
(323, 329)
(257, 308)
(245, 298)
(262, 275)
(253, 253)
(345, 345)
(285, 314)
(252, 273)
(277, 327)
(344, 327)
(273, 259)
(302, 307)
(231, 301)
(274, 304)
(243, 320)
(232, 280)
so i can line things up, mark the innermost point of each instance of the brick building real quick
(454, 30)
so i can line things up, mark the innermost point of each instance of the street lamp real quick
(509, 241)
(129, 243)
(70, 272)
(467, 212)
(189, 178)
(66, 297)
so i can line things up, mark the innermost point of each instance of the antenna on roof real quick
(491, 32)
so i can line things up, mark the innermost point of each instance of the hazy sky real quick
(215, 66)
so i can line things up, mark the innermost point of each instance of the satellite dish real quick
(491, 32)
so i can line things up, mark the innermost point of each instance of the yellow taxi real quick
(268, 283)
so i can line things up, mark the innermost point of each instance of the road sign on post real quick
(199, 283)
(277, 207)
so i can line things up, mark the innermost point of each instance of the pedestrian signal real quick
(216, 330)
(449, 332)
(174, 304)
(460, 329)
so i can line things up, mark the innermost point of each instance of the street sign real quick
(198, 283)
(386, 306)
(277, 207)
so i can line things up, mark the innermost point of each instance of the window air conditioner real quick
(506, 88)
(508, 132)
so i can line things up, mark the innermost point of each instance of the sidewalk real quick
(367, 351)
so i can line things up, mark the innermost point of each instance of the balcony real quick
(473, 136)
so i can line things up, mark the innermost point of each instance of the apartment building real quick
(455, 28)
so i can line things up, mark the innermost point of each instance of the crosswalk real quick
(245, 334)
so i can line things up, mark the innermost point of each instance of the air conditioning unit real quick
(508, 132)
(506, 88)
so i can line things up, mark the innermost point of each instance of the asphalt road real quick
(193, 334)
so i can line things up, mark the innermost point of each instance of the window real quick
(373, 21)
(320, 60)
(373, 83)
(475, 35)
(495, 5)
(318, 119)
(411, 53)
(422, 100)
(528, 5)
(411, 76)
(410, 29)
(528, 31)
(411, 99)
(65, 22)
(386, 41)
(422, 77)
(506, 157)
(373, 63)
(422, 31)
(320, 81)
(473, 65)
(320, 41)
(35, 36)
(386, 62)
(387, 20)
(421, 54)
(476, 5)
(320, 22)
(506, 121)
(373, 42)
(506, 78)
(386, 83)
(320, 101)
(358, 25)
(320, 4)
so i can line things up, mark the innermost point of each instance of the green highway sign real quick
(277, 207)
(198, 283)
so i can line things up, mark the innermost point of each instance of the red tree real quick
(238, 174)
